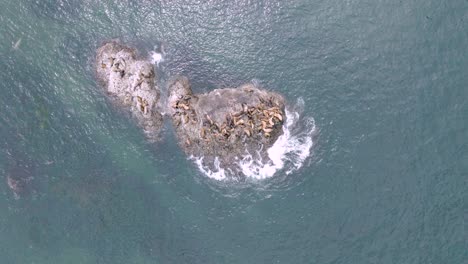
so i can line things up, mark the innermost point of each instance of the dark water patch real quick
(110, 206)
(38, 115)
(97, 210)
(42, 232)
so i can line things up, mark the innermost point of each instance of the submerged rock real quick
(131, 83)
(225, 125)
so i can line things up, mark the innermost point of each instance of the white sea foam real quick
(218, 173)
(288, 153)
(157, 57)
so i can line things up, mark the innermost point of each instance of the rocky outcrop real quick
(225, 124)
(222, 127)
(130, 82)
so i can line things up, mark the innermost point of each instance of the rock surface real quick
(226, 124)
(130, 82)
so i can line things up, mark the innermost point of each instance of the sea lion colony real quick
(130, 82)
(252, 121)
(223, 124)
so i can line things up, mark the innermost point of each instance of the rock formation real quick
(223, 126)
(226, 124)
(131, 83)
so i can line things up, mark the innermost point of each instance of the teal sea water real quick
(386, 182)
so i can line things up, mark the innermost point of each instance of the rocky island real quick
(130, 82)
(225, 125)
(219, 128)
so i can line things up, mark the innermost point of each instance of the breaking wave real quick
(287, 154)
(217, 173)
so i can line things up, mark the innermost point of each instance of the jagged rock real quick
(226, 123)
(131, 83)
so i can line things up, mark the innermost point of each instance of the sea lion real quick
(270, 121)
(247, 132)
(279, 116)
(184, 106)
(209, 119)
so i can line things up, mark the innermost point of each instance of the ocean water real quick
(385, 83)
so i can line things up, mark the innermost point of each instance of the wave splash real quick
(287, 154)
(217, 173)
(157, 56)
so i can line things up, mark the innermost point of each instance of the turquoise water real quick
(386, 83)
